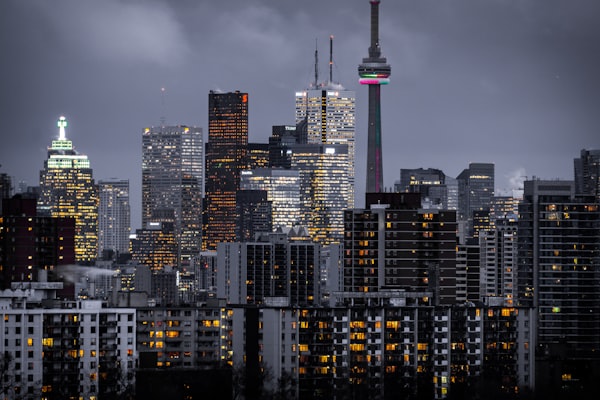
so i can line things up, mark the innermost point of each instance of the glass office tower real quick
(67, 189)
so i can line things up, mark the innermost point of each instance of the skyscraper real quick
(282, 137)
(329, 112)
(155, 246)
(68, 190)
(283, 192)
(5, 188)
(226, 153)
(374, 71)
(172, 174)
(498, 261)
(475, 192)
(257, 156)
(587, 173)
(254, 214)
(114, 217)
(324, 188)
(437, 189)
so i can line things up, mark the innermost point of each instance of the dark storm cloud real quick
(513, 82)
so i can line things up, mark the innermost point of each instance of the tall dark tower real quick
(226, 156)
(374, 71)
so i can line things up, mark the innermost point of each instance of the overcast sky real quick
(513, 82)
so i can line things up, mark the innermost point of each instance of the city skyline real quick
(523, 74)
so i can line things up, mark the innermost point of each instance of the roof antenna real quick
(316, 64)
(61, 124)
(331, 59)
(162, 103)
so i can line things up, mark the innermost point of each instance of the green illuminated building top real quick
(67, 189)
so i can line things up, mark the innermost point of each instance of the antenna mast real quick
(316, 64)
(331, 59)
(162, 103)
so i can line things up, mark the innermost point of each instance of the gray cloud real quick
(513, 82)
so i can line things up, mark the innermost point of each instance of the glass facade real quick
(283, 191)
(437, 189)
(114, 217)
(325, 189)
(155, 246)
(330, 115)
(475, 191)
(254, 213)
(172, 176)
(226, 156)
(67, 189)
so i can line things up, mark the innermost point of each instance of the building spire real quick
(163, 117)
(316, 63)
(331, 59)
(374, 49)
(62, 124)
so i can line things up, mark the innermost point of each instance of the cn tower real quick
(374, 71)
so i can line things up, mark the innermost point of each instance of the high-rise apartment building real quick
(184, 338)
(558, 274)
(172, 176)
(394, 244)
(498, 264)
(468, 267)
(387, 350)
(114, 217)
(226, 154)
(68, 190)
(279, 265)
(558, 249)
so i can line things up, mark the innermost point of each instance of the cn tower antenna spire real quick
(374, 71)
